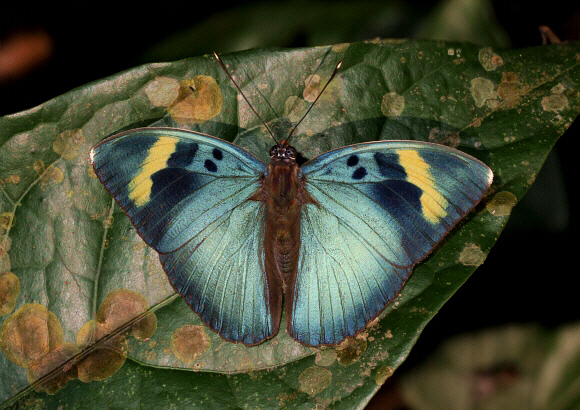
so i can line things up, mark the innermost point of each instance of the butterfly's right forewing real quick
(188, 196)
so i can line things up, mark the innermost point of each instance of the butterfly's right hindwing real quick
(187, 195)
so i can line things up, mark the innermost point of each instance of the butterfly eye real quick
(273, 151)
(291, 153)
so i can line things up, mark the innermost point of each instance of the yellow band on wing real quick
(156, 160)
(433, 204)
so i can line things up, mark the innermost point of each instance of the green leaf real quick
(70, 247)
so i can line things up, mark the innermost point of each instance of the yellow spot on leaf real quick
(140, 186)
(9, 291)
(312, 89)
(314, 380)
(433, 204)
(189, 342)
(325, 357)
(67, 143)
(6, 220)
(200, 99)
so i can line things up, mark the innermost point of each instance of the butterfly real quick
(331, 242)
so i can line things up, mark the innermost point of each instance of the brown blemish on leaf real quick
(471, 255)
(483, 92)
(443, 137)
(502, 203)
(350, 351)
(56, 363)
(30, 333)
(5, 242)
(162, 91)
(314, 380)
(53, 174)
(13, 179)
(392, 104)
(312, 89)
(38, 167)
(189, 342)
(199, 100)
(6, 220)
(105, 353)
(488, 59)
(325, 357)
(67, 143)
(120, 306)
(383, 373)
(9, 291)
(108, 222)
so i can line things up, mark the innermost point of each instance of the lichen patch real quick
(489, 60)
(162, 91)
(502, 203)
(351, 350)
(392, 104)
(483, 92)
(471, 255)
(200, 99)
(189, 342)
(313, 85)
(314, 380)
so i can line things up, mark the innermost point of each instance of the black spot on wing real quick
(210, 165)
(359, 173)
(396, 196)
(352, 160)
(389, 166)
(173, 184)
(218, 154)
(183, 155)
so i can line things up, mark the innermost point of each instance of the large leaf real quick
(69, 247)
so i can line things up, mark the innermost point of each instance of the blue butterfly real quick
(332, 241)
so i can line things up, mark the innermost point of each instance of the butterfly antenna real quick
(218, 58)
(314, 102)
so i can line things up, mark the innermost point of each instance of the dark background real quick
(529, 276)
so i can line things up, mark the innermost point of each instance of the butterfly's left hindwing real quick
(381, 208)
(187, 195)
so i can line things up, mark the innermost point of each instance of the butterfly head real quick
(283, 152)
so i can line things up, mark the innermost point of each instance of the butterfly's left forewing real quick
(381, 208)
(188, 196)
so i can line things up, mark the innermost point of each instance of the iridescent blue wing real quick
(188, 196)
(382, 208)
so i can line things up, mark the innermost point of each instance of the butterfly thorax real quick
(283, 194)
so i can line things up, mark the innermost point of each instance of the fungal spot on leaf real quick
(488, 59)
(30, 333)
(57, 365)
(105, 353)
(556, 101)
(162, 91)
(294, 108)
(314, 380)
(502, 203)
(483, 92)
(38, 166)
(9, 291)
(350, 351)
(6, 221)
(5, 242)
(383, 373)
(200, 99)
(325, 357)
(312, 89)
(189, 342)
(121, 306)
(53, 174)
(451, 139)
(13, 179)
(67, 143)
(471, 255)
(393, 104)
